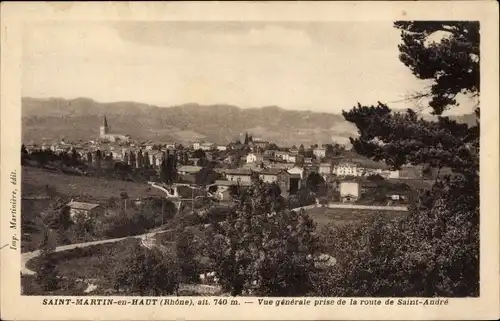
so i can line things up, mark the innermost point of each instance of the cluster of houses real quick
(235, 162)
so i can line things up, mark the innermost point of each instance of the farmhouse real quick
(85, 209)
(239, 175)
(270, 175)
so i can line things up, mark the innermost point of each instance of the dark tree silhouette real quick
(442, 229)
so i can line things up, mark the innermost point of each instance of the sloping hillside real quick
(80, 119)
(36, 180)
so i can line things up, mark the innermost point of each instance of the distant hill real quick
(79, 119)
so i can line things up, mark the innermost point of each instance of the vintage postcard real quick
(249, 160)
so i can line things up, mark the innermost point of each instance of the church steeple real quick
(103, 130)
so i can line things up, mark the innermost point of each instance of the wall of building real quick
(268, 178)
(349, 188)
(236, 178)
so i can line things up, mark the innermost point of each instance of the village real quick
(338, 174)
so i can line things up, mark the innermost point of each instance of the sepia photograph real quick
(251, 159)
(223, 162)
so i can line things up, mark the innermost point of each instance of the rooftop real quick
(189, 169)
(82, 206)
(229, 183)
(271, 171)
(238, 171)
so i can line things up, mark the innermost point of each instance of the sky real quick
(318, 66)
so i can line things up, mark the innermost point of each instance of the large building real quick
(104, 134)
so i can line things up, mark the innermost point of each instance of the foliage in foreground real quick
(146, 272)
(435, 250)
(262, 248)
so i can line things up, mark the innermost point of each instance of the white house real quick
(290, 158)
(394, 174)
(325, 169)
(297, 170)
(221, 148)
(196, 146)
(253, 158)
(348, 169)
(170, 145)
(117, 155)
(349, 191)
(280, 154)
(319, 152)
(207, 146)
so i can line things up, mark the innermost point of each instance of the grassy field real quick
(339, 216)
(35, 180)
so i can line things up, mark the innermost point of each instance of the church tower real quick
(103, 130)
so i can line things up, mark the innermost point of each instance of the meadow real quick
(36, 181)
(324, 216)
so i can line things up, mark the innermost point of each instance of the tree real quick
(57, 216)
(435, 250)
(452, 64)
(24, 151)
(332, 150)
(124, 196)
(171, 167)
(199, 153)
(302, 149)
(140, 160)
(145, 271)
(246, 141)
(262, 247)
(146, 161)
(185, 251)
(24, 154)
(84, 226)
(132, 159)
(273, 146)
(47, 274)
(314, 182)
(74, 157)
(375, 178)
(164, 175)
(206, 176)
(98, 158)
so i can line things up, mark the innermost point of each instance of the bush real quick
(46, 272)
(434, 251)
(145, 272)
